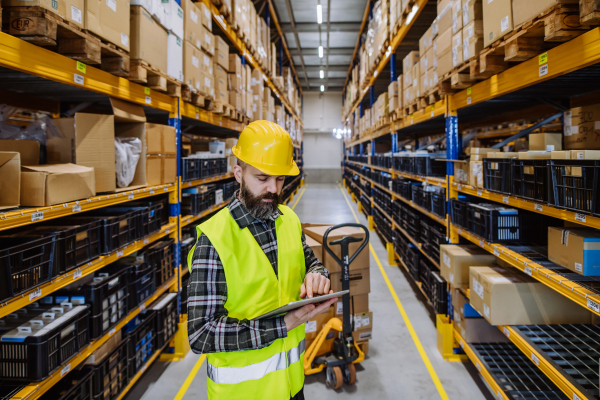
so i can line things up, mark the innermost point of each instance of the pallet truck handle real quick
(347, 239)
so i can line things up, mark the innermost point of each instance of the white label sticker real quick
(477, 288)
(528, 271)
(38, 293)
(124, 39)
(478, 366)
(535, 359)
(575, 397)
(130, 197)
(207, 39)
(142, 307)
(538, 207)
(112, 4)
(543, 70)
(78, 79)
(574, 130)
(76, 208)
(119, 253)
(579, 217)
(148, 100)
(310, 326)
(151, 191)
(506, 332)
(479, 193)
(496, 253)
(366, 321)
(503, 24)
(77, 274)
(195, 62)
(65, 370)
(76, 14)
(578, 267)
(486, 310)
(111, 332)
(580, 154)
(468, 100)
(146, 240)
(37, 216)
(549, 147)
(446, 259)
(481, 243)
(340, 307)
(592, 305)
(194, 16)
(505, 199)
(206, 60)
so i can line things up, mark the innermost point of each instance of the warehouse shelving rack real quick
(567, 71)
(32, 76)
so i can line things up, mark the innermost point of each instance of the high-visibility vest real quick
(274, 372)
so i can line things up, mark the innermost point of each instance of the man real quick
(251, 258)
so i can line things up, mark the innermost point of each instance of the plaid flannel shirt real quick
(210, 329)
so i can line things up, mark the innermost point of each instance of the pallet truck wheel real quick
(334, 377)
(350, 375)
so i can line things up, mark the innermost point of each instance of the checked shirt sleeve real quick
(210, 330)
(313, 265)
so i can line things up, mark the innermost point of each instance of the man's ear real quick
(237, 173)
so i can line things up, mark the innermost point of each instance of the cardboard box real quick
(235, 99)
(206, 63)
(410, 60)
(457, 49)
(476, 174)
(206, 16)
(175, 57)
(56, 6)
(169, 168)
(472, 39)
(364, 346)
(507, 297)
(221, 52)
(148, 39)
(425, 42)
(108, 19)
(235, 65)
(191, 65)
(360, 281)
(153, 169)
(50, 184)
(362, 321)
(482, 150)
(207, 85)
(192, 23)
(444, 18)
(29, 150)
(10, 184)
(577, 249)
(315, 324)
(457, 18)
(316, 247)
(221, 84)
(462, 306)
(161, 139)
(535, 155)
(88, 140)
(443, 43)
(545, 141)
(526, 10)
(560, 155)
(585, 155)
(358, 303)
(362, 335)
(478, 330)
(393, 89)
(472, 10)
(456, 261)
(497, 20)
(175, 18)
(461, 172)
(361, 261)
(207, 40)
(582, 128)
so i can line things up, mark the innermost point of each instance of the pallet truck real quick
(339, 359)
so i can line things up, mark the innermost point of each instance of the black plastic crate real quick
(140, 279)
(494, 223)
(186, 247)
(77, 385)
(424, 235)
(161, 258)
(26, 263)
(422, 197)
(166, 319)
(425, 268)
(406, 189)
(160, 201)
(497, 175)
(190, 168)
(459, 213)
(530, 179)
(407, 164)
(119, 227)
(412, 223)
(411, 259)
(574, 185)
(147, 220)
(438, 203)
(141, 334)
(106, 293)
(439, 293)
(437, 237)
(43, 342)
(111, 374)
(428, 166)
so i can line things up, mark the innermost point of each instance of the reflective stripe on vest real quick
(233, 375)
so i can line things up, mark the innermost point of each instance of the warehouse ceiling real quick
(341, 20)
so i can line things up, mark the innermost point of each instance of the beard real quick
(258, 208)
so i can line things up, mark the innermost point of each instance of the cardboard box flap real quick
(127, 112)
(10, 185)
(29, 150)
(6, 156)
(56, 168)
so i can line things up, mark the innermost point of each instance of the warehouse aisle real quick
(394, 367)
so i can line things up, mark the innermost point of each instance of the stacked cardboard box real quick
(258, 89)
(148, 39)
(411, 75)
(472, 326)
(198, 48)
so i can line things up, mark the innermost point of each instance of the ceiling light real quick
(320, 51)
(322, 88)
(334, 130)
(410, 16)
(319, 14)
(321, 74)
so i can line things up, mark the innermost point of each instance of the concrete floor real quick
(394, 368)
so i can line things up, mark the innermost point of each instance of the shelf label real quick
(147, 91)
(65, 370)
(130, 197)
(591, 304)
(459, 231)
(538, 207)
(479, 193)
(142, 307)
(468, 100)
(496, 253)
(579, 217)
(505, 199)
(575, 397)
(166, 286)
(462, 344)
(81, 67)
(468, 91)
(151, 191)
(37, 216)
(144, 368)
(78, 79)
(38, 293)
(111, 332)
(543, 58)
(481, 243)
(459, 186)
(543, 70)
(535, 359)
(528, 271)
(76, 208)
(165, 189)
(506, 332)
(499, 394)
(197, 116)
(478, 366)
(77, 274)
(146, 240)
(119, 253)
(148, 100)
(167, 230)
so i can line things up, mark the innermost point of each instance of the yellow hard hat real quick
(267, 147)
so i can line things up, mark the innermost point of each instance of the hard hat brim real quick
(270, 169)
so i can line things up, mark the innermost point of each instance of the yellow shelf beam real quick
(13, 219)
(205, 181)
(244, 52)
(35, 390)
(498, 392)
(566, 287)
(550, 211)
(22, 56)
(426, 179)
(63, 280)
(199, 114)
(188, 219)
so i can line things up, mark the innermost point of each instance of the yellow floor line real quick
(190, 378)
(413, 334)
(299, 197)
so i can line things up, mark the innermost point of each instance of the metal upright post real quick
(372, 96)
(393, 73)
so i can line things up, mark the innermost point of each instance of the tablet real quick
(297, 304)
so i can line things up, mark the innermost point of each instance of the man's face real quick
(260, 192)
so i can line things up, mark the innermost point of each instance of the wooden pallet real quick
(221, 108)
(225, 11)
(189, 94)
(44, 28)
(430, 99)
(397, 114)
(217, 3)
(411, 108)
(154, 78)
(589, 12)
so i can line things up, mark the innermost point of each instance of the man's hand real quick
(297, 317)
(314, 284)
